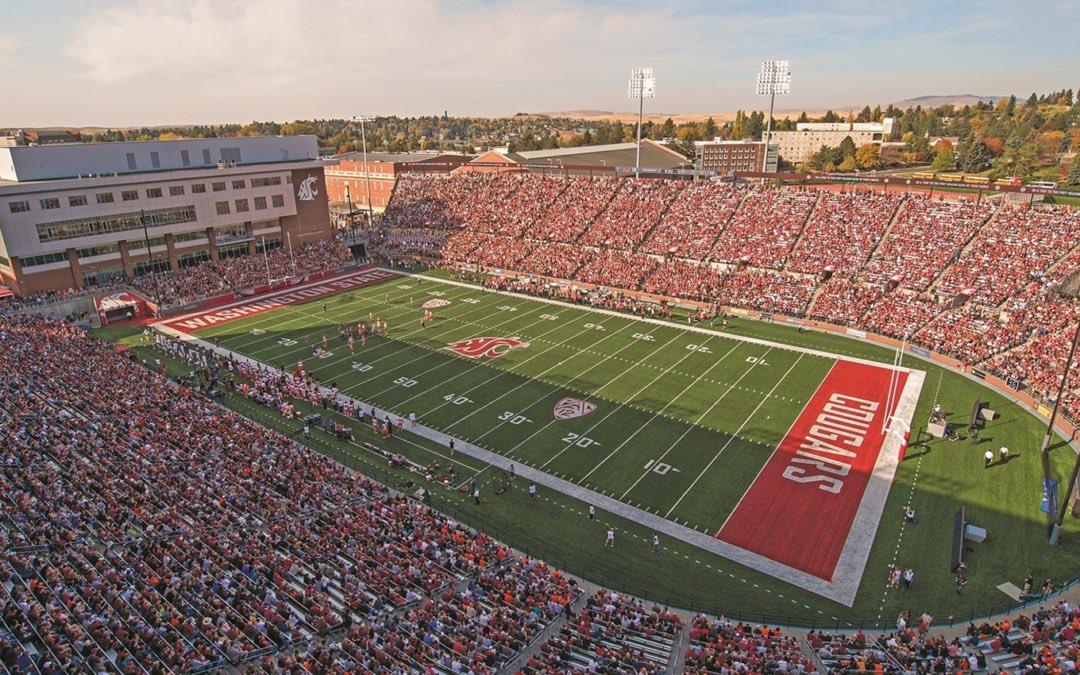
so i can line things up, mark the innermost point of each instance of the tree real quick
(668, 130)
(1018, 161)
(847, 147)
(974, 157)
(995, 146)
(803, 117)
(740, 129)
(865, 114)
(1074, 172)
(848, 164)
(943, 160)
(710, 129)
(867, 157)
(297, 129)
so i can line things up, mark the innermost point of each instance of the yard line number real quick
(514, 418)
(580, 441)
(659, 467)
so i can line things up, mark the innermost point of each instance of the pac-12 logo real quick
(491, 347)
(569, 408)
(307, 190)
(437, 302)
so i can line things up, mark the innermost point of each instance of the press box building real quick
(73, 214)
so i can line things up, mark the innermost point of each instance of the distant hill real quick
(936, 100)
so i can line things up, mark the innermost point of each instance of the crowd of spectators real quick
(843, 231)
(682, 279)
(895, 263)
(230, 274)
(632, 214)
(843, 302)
(618, 269)
(693, 221)
(927, 236)
(765, 227)
(146, 529)
(574, 208)
(613, 634)
(721, 646)
(1017, 246)
(769, 291)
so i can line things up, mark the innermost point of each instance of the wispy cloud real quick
(156, 61)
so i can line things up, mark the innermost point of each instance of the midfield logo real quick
(569, 408)
(491, 347)
(437, 302)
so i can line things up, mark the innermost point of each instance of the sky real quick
(155, 62)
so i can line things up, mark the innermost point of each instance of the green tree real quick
(1074, 172)
(668, 130)
(847, 147)
(710, 129)
(973, 156)
(943, 160)
(1017, 161)
(864, 114)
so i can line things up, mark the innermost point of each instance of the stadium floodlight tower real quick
(774, 78)
(367, 170)
(642, 86)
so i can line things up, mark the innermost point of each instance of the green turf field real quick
(678, 430)
(684, 421)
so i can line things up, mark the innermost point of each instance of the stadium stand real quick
(613, 633)
(221, 276)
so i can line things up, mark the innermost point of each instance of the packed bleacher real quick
(612, 634)
(146, 529)
(693, 221)
(721, 646)
(843, 231)
(221, 276)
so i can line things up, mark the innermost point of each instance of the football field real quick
(762, 447)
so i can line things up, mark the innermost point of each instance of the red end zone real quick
(257, 305)
(800, 508)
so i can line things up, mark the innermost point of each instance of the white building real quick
(74, 214)
(799, 145)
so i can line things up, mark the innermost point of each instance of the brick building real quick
(724, 157)
(346, 183)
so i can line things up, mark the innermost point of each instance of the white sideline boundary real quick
(852, 563)
(668, 324)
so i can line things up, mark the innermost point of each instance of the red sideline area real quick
(195, 322)
(800, 508)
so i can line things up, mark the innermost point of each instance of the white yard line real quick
(447, 361)
(565, 385)
(631, 398)
(669, 324)
(761, 359)
(732, 438)
(527, 381)
(273, 317)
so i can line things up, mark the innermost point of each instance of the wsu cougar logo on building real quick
(569, 408)
(491, 347)
(307, 190)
